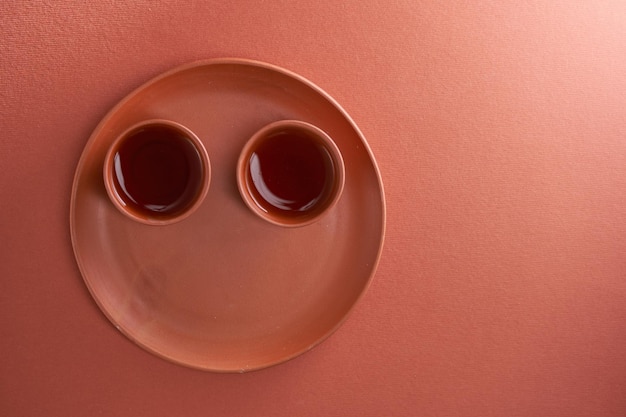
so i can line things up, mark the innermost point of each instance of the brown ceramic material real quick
(184, 165)
(225, 290)
(308, 173)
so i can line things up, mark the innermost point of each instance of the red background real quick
(500, 132)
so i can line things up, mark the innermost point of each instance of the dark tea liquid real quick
(290, 172)
(157, 171)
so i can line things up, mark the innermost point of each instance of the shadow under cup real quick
(290, 173)
(157, 172)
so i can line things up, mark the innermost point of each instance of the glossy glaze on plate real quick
(224, 290)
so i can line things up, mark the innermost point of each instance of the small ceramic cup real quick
(290, 173)
(157, 172)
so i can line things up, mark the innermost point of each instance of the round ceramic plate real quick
(224, 290)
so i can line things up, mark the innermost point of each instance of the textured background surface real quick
(500, 131)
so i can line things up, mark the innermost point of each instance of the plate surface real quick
(224, 290)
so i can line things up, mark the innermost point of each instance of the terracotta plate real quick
(224, 290)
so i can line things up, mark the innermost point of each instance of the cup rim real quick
(116, 198)
(337, 182)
